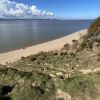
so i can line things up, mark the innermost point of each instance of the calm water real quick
(15, 34)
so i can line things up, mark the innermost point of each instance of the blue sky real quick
(67, 9)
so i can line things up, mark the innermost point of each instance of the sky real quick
(65, 9)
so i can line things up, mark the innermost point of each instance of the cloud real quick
(12, 9)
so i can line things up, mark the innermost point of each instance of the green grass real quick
(25, 72)
(80, 86)
(22, 82)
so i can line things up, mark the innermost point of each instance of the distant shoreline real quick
(56, 44)
(45, 19)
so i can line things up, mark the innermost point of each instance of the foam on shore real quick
(56, 44)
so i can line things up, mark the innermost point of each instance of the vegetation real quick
(72, 73)
(94, 27)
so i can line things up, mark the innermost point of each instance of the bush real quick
(94, 27)
(66, 46)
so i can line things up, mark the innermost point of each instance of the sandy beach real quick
(56, 44)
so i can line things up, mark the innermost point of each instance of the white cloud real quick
(12, 9)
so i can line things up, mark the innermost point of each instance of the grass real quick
(83, 84)
(25, 72)
(22, 82)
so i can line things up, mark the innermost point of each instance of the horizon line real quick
(47, 18)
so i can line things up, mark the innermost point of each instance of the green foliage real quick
(94, 27)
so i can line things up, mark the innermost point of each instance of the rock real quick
(96, 70)
(67, 76)
(36, 84)
(21, 81)
(29, 64)
(62, 95)
(59, 74)
(77, 65)
(33, 84)
(67, 65)
(84, 71)
(63, 70)
(52, 75)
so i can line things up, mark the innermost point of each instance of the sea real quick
(16, 34)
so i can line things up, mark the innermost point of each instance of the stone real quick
(62, 95)
(29, 64)
(59, 74)
(33, 84)
(84, 71)
(67, 76)
(67, 65)
(36, 84)
(77, 65)
(21, 81)
(52, 75)
(63, 70)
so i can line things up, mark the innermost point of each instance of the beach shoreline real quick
(56, 44)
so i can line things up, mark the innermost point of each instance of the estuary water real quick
(17, 34)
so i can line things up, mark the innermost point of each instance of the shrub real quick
(66, 46)
(94, 27)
